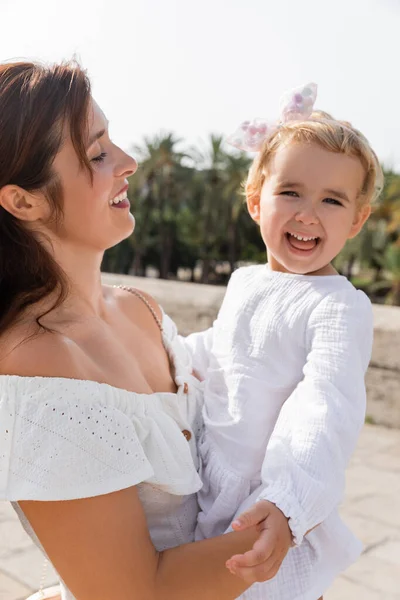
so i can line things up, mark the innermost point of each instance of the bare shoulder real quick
(132, 301)
(28, 353)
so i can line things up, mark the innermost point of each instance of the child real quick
(285, 360)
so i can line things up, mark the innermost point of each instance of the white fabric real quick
(64, 439)
(284, 367)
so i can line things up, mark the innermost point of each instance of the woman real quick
(98, 410)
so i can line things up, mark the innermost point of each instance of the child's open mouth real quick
(300, 243)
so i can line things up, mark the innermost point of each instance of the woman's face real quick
(96, 215)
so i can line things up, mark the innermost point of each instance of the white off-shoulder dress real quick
(63, 439)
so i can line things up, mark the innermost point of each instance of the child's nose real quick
(307, 215)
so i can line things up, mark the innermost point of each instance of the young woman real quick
(99, 412)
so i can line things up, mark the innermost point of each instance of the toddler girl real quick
(285, 360)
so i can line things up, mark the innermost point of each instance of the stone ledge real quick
(386, 351)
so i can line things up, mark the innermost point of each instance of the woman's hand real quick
(263, 561)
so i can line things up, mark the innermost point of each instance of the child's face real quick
(312, 193)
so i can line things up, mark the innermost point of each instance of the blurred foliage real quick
(190, 212)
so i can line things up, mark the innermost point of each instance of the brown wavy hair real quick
(38, 104)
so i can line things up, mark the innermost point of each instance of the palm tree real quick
(158, 193)
(236, 170)
(212, 163)
(392, 264)
(387, 215)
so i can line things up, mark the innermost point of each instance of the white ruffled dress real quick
(284, 402)
(63, 439)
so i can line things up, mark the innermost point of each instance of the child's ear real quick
(360, 217)
(253, 206)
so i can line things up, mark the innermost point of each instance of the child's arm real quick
(316, 432)
(319, 424)
(199, 345)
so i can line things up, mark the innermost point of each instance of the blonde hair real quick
(328, 133)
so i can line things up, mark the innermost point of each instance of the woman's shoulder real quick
(54, 421)
(129, 298)
(27, 352)
(135, 302)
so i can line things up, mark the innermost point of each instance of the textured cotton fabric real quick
(63, 439)
(284, 367)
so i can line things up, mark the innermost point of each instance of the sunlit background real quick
(200, 67)
(176, 77)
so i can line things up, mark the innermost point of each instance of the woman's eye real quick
(332, 201)
(99, 158)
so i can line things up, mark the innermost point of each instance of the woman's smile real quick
(121, 199)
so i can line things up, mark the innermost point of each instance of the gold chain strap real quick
(147, 303)
(43, 577)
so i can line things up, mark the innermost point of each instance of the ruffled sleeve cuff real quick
(292, 510)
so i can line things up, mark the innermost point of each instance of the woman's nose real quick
(127, 165)
(131, 165)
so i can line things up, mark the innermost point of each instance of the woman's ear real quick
(23, 205)
(253, 205)
(360, 217)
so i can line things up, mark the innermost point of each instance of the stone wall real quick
(194, 306)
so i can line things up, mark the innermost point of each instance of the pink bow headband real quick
(295, 105)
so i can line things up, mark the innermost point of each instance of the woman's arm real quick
(102, 549)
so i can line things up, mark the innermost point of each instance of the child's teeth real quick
(303, 239)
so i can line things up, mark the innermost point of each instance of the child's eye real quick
(99, 158)
(289, 193)
(332, 201)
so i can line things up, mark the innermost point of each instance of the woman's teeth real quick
(119, 198)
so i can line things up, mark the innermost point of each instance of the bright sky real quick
(198, 67)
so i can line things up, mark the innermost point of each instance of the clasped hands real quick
(263, 561)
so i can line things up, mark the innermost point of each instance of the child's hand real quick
(263, 561)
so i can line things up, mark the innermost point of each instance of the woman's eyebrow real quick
(95, 137)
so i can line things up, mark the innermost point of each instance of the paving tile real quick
(27, 567)
(376, 575)
(11, 589)
(363, 479)
(370, 532)
(386, 461)
(379, 507)
(13, 538)
(374, 440)
(7, 513)
(389, 552)
(345, 589)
